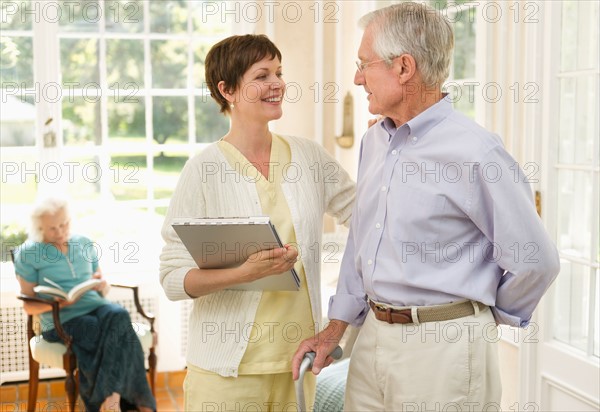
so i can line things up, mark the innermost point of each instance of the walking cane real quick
(307, 362)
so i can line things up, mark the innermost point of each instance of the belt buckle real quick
(387, 310)
(381, 307)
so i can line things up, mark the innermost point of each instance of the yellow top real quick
(283, 318)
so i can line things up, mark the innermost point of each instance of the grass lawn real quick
(128, 176)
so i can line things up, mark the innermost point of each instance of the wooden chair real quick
(60, 354)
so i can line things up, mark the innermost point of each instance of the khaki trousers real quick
(433, 366)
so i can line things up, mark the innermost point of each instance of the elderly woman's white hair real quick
(45, 206)
(416, 29)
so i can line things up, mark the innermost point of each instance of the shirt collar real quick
(424, 121)
(389, 126)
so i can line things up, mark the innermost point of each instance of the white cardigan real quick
(220, 323)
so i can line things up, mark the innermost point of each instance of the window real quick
(461, 84)
(577, 290)
(18, 110)
(119, 86)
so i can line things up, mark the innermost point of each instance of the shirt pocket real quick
(415, 215)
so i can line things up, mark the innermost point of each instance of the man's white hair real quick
(415, 29)
(45, 206)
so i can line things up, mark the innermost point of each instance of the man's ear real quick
(225, 92)
(405, 67)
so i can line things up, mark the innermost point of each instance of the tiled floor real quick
(51, 394)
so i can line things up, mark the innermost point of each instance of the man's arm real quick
(504, 210)
(347, 306)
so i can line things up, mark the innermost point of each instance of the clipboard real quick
(219, 243)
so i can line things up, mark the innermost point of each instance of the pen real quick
(53, 283)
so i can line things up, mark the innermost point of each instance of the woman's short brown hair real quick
(230, 58)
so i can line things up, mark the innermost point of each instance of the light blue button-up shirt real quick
(443, 213)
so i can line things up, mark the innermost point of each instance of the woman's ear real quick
(224, 92)
(405, 67)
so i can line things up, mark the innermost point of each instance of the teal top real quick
(38, 262)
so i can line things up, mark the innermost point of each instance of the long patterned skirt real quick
(109, 357)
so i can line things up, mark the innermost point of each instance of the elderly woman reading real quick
(109, 355)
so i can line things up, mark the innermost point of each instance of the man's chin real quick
(374, 110)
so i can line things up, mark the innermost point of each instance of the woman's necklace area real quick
(66, 255)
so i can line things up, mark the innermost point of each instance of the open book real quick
(71, 295)
(227, 242)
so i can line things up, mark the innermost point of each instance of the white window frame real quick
(46, 53)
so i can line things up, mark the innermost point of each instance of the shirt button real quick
(369, 262)
(415, 138)
(394, 152)
(383, 188)
(378, 225)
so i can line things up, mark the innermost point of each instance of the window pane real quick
(126, 122)
(575, 203)
(129, 176)
(169, 64)
(439, 4)
(596, 321)
(578, 119)
(79, 63)
(211, 125)
(590, 15)
(16, 62)
(126, 237)
(579, 43)
(167, 167)
(17, 120)
(170, 119)
(15, 15)
(125, 16)
(568, 47)
(20, 176)
(84, 175)
(586, 125)
(125, 64)
(200, 52)
(168, 16)
(210, 18)
(81, 121)
(571, 304)
(566, 143)
(80, 15)
(464, 48)
(162, 211)
(462, 97)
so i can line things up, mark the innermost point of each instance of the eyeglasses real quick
(362, 66)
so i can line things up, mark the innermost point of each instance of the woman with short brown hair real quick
(241, 342)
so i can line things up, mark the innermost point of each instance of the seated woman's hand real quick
(269, 262)
(103, 287)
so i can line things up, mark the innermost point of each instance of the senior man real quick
(445, 242)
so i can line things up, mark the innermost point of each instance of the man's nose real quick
(359, 78)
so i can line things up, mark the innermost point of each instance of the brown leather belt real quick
(436, 313)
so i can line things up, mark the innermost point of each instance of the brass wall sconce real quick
(49, 135)
(346, 140)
